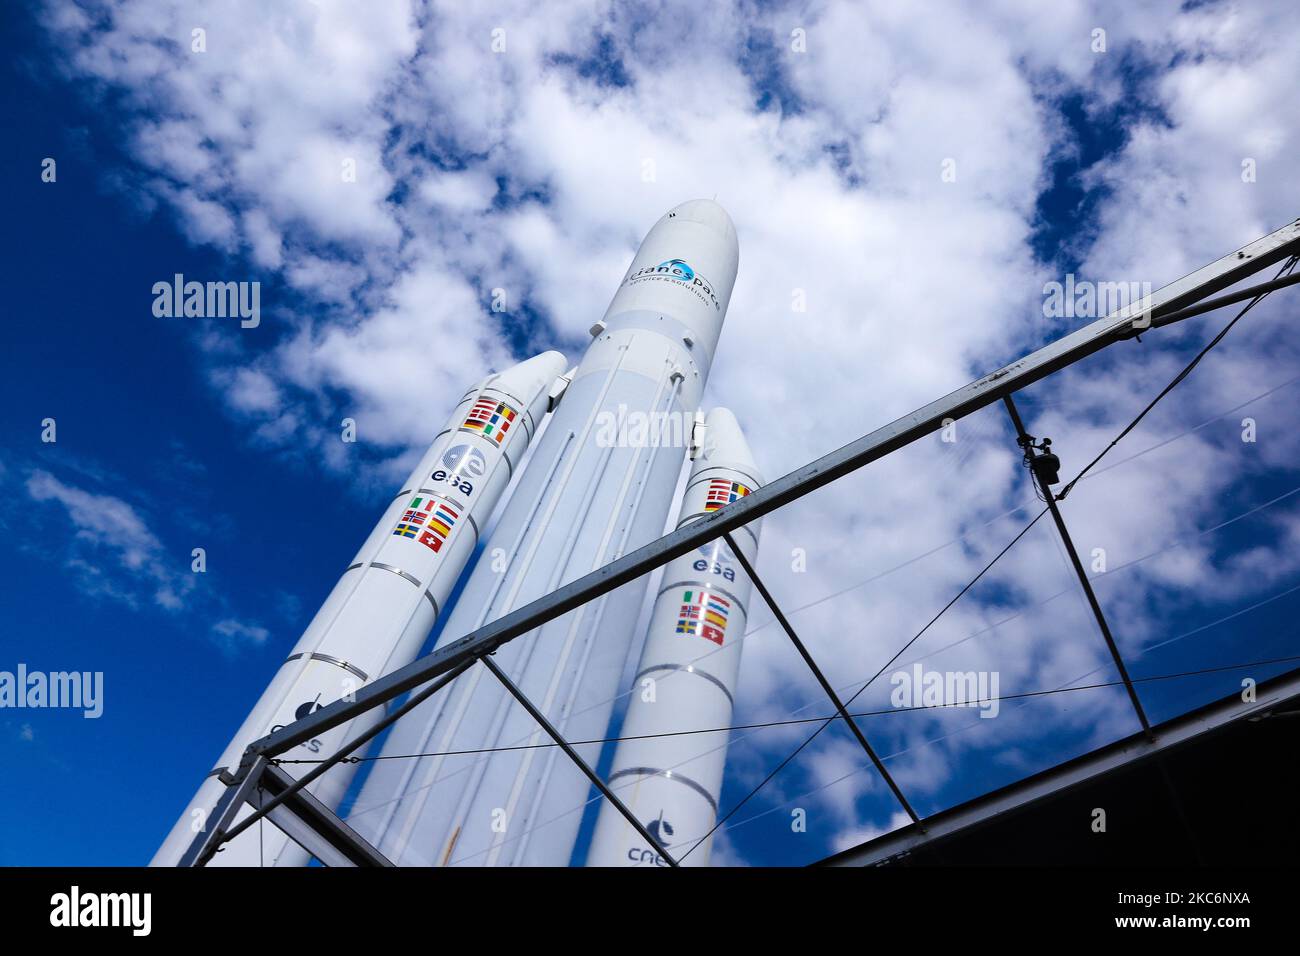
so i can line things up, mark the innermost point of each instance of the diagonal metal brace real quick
(1024, 439)
(821, 678)
(573, 755)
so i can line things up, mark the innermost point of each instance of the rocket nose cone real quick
(531, 375)
(725, 444)
(707, 213)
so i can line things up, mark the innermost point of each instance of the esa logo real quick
(714, 553)
(462, 466)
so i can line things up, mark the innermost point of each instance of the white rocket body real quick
(381, 611)
(686, 678)
(600, 484)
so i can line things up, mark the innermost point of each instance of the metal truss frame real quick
(1279, 693)
(261, 786)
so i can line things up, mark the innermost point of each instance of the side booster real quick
(600, 484)
(381, 611)
(687, 675)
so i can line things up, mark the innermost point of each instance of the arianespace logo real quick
(678, 271)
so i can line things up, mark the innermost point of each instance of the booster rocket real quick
(686, 679)
(600, 484)
(380, 612)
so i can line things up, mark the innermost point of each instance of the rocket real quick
(600, 484)
(686, 678)
(382, 609)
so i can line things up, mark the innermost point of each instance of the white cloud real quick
(234, 633)
(114, 554)
(111, 525)
(249, 390)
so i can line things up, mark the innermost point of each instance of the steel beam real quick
(1209, 305)
(1025, 441)
(312, 825)
(581, 764)
(299, 785)
(1278, 692)
(821, 679)
(984, 391)
(306, 820)
(238, 792)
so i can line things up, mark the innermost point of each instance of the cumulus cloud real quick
(110, 525)
(235, 633)
(114, 554)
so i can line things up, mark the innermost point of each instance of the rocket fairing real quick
(686, 679)
(381, 610)
(600, 484)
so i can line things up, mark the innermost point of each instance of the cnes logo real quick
(75, 908)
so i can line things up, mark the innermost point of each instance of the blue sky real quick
(135, 420)
(527, 173)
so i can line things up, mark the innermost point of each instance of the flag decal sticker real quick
(723, 492)
(490, 418)
(416, 512)
(428, 521)
(440, 524)
(705, 614)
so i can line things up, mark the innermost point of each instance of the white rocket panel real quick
(381, 611)
(686, 678)
(600, 484)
